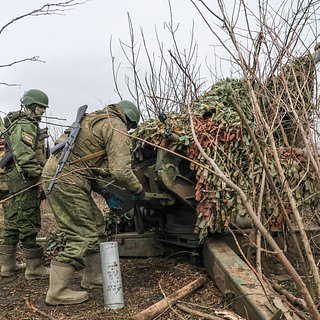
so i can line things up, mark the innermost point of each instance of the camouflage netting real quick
(225, 139)
(292, 89)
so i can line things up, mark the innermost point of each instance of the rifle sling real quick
(89, 157)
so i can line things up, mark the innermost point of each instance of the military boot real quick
(59, 292)
(92, 273)
(34, 267)
(8, 262)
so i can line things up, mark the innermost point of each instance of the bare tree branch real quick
(47, 9)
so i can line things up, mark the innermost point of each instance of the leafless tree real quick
(275, 52)
(281, 91)
(48, 9)
(171, 79)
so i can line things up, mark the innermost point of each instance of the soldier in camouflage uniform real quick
(23, 172)
(71, 200)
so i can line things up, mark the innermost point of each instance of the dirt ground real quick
(145, 281)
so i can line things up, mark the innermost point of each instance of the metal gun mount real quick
(169, 134)
(169, 183)
(170, 199)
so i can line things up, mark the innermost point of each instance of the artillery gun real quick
(170, 192)
(163, 162)
(171, 208)
(170, 211)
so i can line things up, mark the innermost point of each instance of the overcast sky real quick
(75, 48)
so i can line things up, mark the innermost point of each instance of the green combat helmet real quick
(35, 96)
(131, 112)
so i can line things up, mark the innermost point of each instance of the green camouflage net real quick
(224, 139)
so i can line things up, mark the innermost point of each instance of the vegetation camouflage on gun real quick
(222, 136)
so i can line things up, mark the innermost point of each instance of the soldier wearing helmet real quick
(102, 132)
(23, 172)
(131, 112)
(35, 103)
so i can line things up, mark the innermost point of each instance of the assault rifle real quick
(68, 146)
(9, 156)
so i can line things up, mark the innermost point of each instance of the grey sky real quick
(75, 47)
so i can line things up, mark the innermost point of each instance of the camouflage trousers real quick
(4, 192)
(78, 216)
(22, 220)
(4, 195)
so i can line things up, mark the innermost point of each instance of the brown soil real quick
(145, 281)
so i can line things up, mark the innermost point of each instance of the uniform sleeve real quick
(23, 138)
(119, 156)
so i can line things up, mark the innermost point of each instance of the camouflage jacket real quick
(103, 130)
(27, 143)
(3, 180)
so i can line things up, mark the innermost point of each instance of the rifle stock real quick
(5, 160)
(58, 146)
(68, 146)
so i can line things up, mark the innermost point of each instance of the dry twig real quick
(36, 310)
(157, 308)
(221, 314)
(296, 301)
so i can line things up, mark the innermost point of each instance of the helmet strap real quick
(28, 110)
(130, 124)
(31, 111)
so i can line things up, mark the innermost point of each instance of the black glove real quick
(103, 192)
(139, 197)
